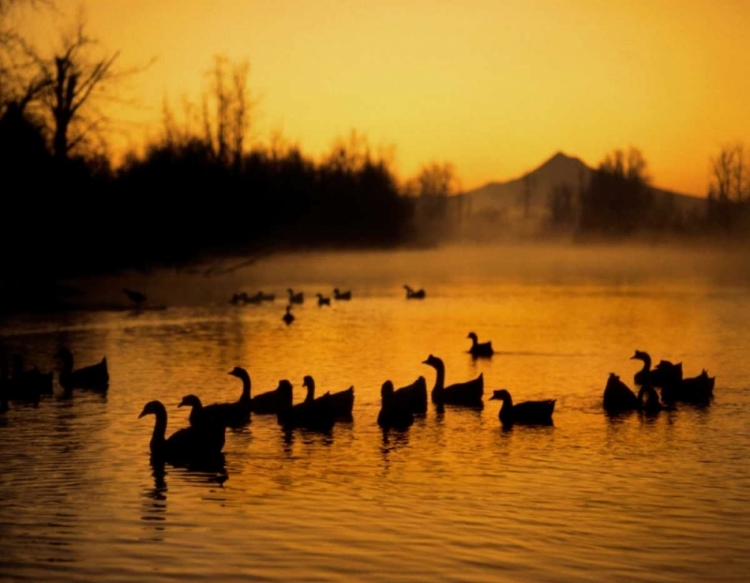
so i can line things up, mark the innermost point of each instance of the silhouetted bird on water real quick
(618, 396)
(414, 295)
(478, 350)
(136, 297)
(394, 412)
(414, 396)
(343, 401)
(697, 390)
(200, 442)
(33, 380)
(288, 317)
(315, 415)
(297, 298)
(337, 295)
(664, 374)
(15, 389)
(468, 393)
(265, 403)
(323, 301)
(95, 376)
(527, 412)
(228, 414)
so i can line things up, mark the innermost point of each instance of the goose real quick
(527, 412)
(665, 372)
(255, 299)
(227, 414)
(414, 396)
(323, 301)
(315, 415)
(94, 376)
(478, 350)
(343, 401)
(288, 317)
(617, 396)
(338, 295)
(699, 389)
(297, 298)
(15, 389)
(188, 443)
(263, 404)
(414, 295)
(236, 299)
(267, 297)
(135, 296)
(648, 400)
(33, 379)
(467, 393)
(394, 412)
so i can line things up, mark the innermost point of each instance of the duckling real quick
(414, 396)
(394, 412)
(343, 401)
(468, 393)
(617, 396)
(478, 350)
(227, 414)
(297, 298)
(95, 376)
(347, 295)
(528, 412)
(315, 415)
(414, 295)
(288, 317)
(265, 403)
(185, 444)
(323, 301)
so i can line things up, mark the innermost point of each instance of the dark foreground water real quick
(665, 498)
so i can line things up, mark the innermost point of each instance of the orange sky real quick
(493, 86)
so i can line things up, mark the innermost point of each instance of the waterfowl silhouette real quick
(288, 317)
(267, 297)
(315, 415)
(135, 296)
(468, 393)
(478, 350)
(323, 301)
(414, 295)
(617, 396)
(186, 444)
(95, 376)
(664, 373)
(265, 403)
(343, 401)
(699, 390)
(254, 299)
(394, 412)
(227, 414)
(33, 380)
(337, 295)
(14, 389)
(414, 396)
(527, 412)
(648, 400)
(297, 298)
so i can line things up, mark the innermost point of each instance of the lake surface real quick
(661, 498)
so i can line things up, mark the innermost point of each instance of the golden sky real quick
(494, 86)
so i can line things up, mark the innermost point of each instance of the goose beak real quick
(143, 414)
(181, 404)
(493, 398)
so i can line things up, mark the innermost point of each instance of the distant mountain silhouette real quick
(508, 197)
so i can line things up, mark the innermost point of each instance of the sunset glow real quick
(494, 87)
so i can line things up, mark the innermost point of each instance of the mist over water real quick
(634, 498)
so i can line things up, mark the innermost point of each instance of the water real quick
(663, 498)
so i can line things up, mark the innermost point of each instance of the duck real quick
(323, 301)
(228, 414)
(478, 350)
(414, 396)
(194, 442)
(339, 295)
(135, 296)
(343, 401)
(414, 295)
(663, 374)
(95, 376)
(468, 393)
(618, 396)
(297, 298)
(527, 412)
(263, 404)
(699, 389)
(315, 415)
(288, 317)
(394, 413)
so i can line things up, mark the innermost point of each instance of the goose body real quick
(254, 299)
(32, 380)
(338, 295)
(267, 297)
(468, 393)
(343, 401)
(315, 414)
(414, 396)
(527, 412)
(263, 404)
(288, 317)
(95, 376)
(698, 389)
(618, 396)
(648, 400)
(414, 295)
(323, 301)
(135, 296)
(479, 349)
(186, 444)
(394, 413)
(665, 373)
(15, 389)
(297, 298)
(225, 414)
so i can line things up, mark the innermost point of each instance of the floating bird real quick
(323, 301)
(343, 401)
(315, 415)
(414, 295)
(297, 298)
(394, 412)
(337, 295)
(288, 317)
(617, 396)
(33, 380)
(227, 414)
(478, 350)
(665, 372)
(267, 297)
(265, 403)
(468, 393)
(527, 412)
(648, 400)
(95, 376)
(135, 296)
(414, 396)
(698, 390)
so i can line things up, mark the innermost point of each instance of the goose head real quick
(473, 336)
(153, 408)
(500, 395)
(308, 382)
(433, 361)
(190, 401)
(640, 355)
